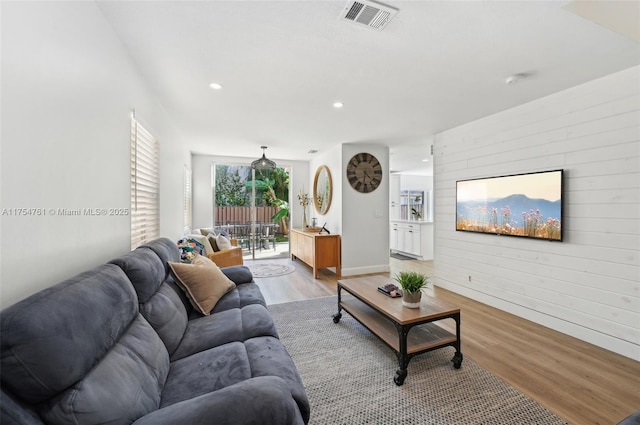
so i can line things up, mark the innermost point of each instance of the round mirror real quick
(322, 188)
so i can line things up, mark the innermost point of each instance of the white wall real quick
(68, 87)
(588, 285)
(203, 191)
(365, 217)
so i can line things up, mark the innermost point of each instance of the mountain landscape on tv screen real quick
(518, 204)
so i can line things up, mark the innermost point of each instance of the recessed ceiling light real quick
(215, 86)
(338, 105)
(425, 160)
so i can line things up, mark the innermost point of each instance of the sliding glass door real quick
(252, 209)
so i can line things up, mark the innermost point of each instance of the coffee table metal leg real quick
(457, 358)
(338, 316)
(403, 358)
(400, 377)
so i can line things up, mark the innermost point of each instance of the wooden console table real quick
(319, 250)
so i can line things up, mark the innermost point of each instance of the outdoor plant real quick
(411, 281)
(268, 188)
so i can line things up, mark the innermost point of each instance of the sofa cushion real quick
(203, 284)
(228, 364)
(72, 325)
(165, 248)
(160, 304)
(244, 295)
(144, 269)
(261, 400)
(165, 312)
(206, 371)
(125, 385)
(237, 324)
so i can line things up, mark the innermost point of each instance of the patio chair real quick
(267, 235)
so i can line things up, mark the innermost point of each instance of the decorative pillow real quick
(205, 232)
(202, 281)
(213, 242)
(223, 242)
(189, 247)
(208, 249)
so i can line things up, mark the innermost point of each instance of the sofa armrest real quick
(227, 257)
(264, 399)
(238, 274)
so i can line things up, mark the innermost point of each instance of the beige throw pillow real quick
(223, 243)
(205, 232)
(202, 281)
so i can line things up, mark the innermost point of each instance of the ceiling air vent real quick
(368, 13)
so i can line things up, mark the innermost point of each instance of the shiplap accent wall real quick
(588, 285)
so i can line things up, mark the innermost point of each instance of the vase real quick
(304, 218)
(411, 299)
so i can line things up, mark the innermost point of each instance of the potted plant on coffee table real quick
(412, 284)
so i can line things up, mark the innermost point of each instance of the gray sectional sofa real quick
(122, 344)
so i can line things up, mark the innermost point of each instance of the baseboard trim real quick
(382, 268)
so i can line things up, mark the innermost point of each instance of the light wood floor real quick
(581, 383)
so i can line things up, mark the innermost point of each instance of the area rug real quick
(261, 269)
(348, 375)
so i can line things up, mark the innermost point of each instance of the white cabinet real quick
(405, 238)
(412, 238)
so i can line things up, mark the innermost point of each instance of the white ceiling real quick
(437, 65)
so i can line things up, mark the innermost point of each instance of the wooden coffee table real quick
(397, 326)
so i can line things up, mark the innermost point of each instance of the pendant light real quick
(263, 163)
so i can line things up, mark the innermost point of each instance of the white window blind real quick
(145, 185)
(187, 200)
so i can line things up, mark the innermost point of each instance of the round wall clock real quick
(364, 172)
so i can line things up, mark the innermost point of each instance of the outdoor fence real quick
(242, 215)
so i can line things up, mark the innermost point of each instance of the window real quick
(145, 185)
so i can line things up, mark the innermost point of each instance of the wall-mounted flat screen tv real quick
(526, 205)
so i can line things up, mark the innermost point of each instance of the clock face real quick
(364, 172)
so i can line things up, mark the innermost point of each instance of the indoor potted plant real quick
(412, 284)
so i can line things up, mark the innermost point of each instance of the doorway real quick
(262, 231)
